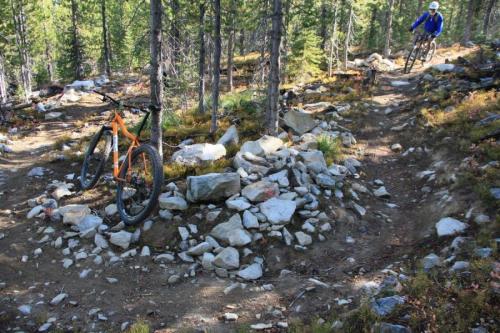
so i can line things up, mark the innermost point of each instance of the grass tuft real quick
(331, 148)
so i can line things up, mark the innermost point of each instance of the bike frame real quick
(117, 122)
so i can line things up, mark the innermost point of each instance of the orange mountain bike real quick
(140, 175)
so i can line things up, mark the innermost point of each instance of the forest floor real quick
(387, 238)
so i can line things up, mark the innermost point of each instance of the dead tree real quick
(201, 60)
(216, 67)
(274, 72)
(21, 29)
(156, 77)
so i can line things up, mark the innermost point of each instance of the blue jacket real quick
(433, 25)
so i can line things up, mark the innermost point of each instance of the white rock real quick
(222, 230)
(121, 239)
(196, 154)
(164, 258)
(172, 203)
(35, 211)
(229, 258)
(58, 299)
(239, 237)
(266, 145)
(238, 204)
(278, 211)
(381, 192)
(25, 309)
(230, 137)
(303, 238)
(252, 272)
(199, 249)
(260, 191)
(184, 233)
(207, 261)
(145, 252)
(89, 222)
(399, 83)
(100, 241)
(250, 221)
(444, 67)
(36, 172)
(448, 226)
(213, 186)
(111, 210)
(74, 214)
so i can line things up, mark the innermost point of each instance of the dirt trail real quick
(385, 235)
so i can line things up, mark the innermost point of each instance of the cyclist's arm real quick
(440, 24)
(419, 21)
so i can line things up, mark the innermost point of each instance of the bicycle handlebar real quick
(119, 103)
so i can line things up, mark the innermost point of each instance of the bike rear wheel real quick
(95, 158)
(139, 184)
(410, 60)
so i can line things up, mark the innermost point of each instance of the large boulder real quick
(278, 211)
(213, 186)
(262, 147)
(230, 137)
(314, 160)
(193, 155)
(261, 191)
(299, 121)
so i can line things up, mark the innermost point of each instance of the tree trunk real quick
(48, 55)
(216, 67)
(333, 40)
(263, 48)
(487, 16)
(284, 56)
(106, 57)
(175, 36)
(3, 81)
(274, 72)
(242, 42)
(201, 68)
(420, 7)
(76, 44)
(388, 33)
(348, 36)
(468, 22)
(230, 46)
(23, 47)
(156, 77)
(323, 30)
(372, 34)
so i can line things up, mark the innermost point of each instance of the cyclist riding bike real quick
(433, 22)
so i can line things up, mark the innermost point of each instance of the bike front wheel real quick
(410, 60)
(95, 158)
(139, 184)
